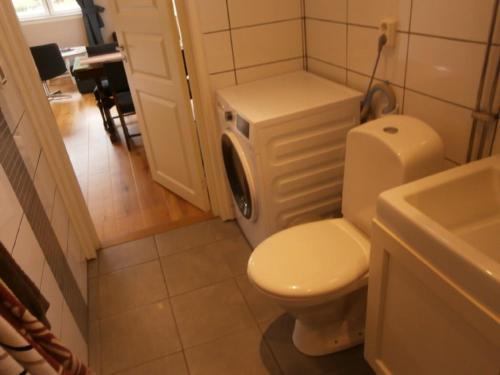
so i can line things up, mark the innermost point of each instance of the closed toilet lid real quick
(310, 259)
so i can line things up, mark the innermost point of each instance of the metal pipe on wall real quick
(486, 117)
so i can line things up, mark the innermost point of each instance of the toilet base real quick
(325, 339)
(338, 325)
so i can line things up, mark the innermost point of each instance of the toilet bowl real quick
(318, 272)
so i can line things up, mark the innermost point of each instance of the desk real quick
(70, 53)
(93, 68)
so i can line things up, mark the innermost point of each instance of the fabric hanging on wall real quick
(22, 286)
(92, 20)
(29, 343)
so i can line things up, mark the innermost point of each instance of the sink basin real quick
(453, 218)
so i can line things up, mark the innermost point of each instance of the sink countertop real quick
(453, 220)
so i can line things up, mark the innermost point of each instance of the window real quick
(29, 9)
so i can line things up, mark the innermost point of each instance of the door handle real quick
(3, 78)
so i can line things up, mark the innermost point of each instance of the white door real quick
(148, 35)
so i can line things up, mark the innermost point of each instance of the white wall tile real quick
(77, 262)
(45, 184)
(267, 43)
(328, 71)
(362, 51)
(28, 254)
(212, 15)
(60, 221)
(448, 164)
(218, 51)
(28, 144)
(492, 66)
(360, 82)
(371, 12)
(71, 336)
(269, 70)
(52, 293)
(331, 49)
(444, 68)
(334, 10)
(12, 212)
(453, 123)
(245, 13)
(462, 19)
(221, 80)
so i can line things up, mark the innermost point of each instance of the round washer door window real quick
(238, 174)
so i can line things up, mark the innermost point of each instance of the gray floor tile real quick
(243, 352)
(127, 254)
(131, 287)
(195, 235)
(171, 365)
(279, 337)
(206, 265)
(137, 336)
(209, 313)
(263, 309)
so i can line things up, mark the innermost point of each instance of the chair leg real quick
(101, 110)
(128, 138)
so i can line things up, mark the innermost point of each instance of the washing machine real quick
(283, 145)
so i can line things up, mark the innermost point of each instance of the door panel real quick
(156, 110)
(147, 31)
(147, 54)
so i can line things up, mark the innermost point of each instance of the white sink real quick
(453, 219)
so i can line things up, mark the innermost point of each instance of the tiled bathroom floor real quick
(180, 303)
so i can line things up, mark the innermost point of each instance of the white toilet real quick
(318, 272)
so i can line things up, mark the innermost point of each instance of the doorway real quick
(124, 201)
(122, 190)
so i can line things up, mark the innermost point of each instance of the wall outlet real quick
(389, 26)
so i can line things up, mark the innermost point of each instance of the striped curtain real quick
(27, 346)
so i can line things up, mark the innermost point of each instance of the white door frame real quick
(206, 117)
(26, 78)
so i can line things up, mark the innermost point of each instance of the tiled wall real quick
(434, 68)
(247, 40)
(35, 228)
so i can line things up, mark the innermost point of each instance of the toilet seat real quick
(310, 260)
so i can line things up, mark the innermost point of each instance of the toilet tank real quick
(382, 154)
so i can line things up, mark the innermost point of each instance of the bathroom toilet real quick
(318, 271)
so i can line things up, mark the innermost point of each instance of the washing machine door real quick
(239, 175)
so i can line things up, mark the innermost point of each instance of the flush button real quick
(391, 130)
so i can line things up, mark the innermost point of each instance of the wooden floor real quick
(124, 201)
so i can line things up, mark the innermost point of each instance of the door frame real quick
(207, 123)
(26, 78)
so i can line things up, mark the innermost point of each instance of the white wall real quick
(249, 40)
(434, 68)
(65, 31)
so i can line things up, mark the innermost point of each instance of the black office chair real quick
(106, 94)
(122, 98)
(50, 64)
